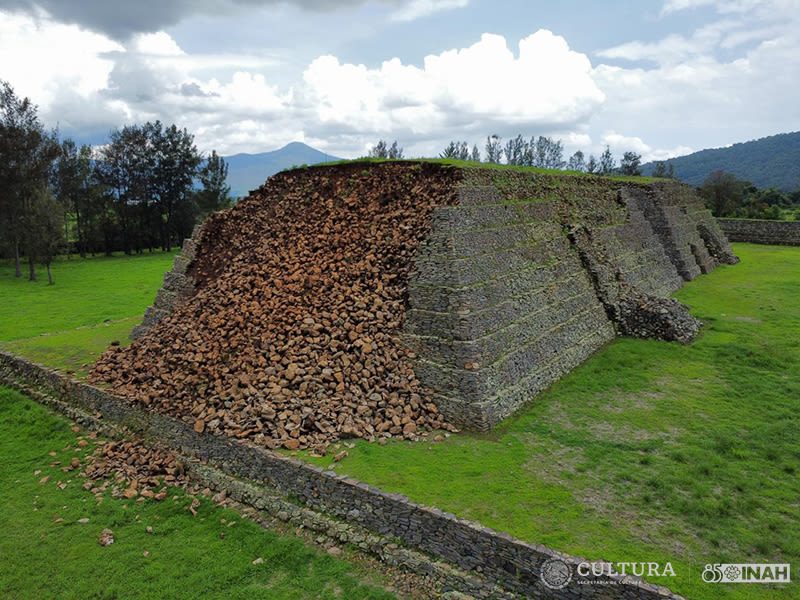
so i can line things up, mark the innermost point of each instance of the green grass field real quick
(48, 553)
(94, 301)
(650, 451)
(87, 292)
(500, 167)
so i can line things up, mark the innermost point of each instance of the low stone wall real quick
(496, 557)
(780, 233)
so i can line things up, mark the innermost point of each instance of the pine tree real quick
(476, 154)
(630, 163)
(383, 150)
(607, 162)
(494, 149)
(576, 162)
(73, 185)
(215, 193)
(395, 151)
(27, 153)
(46, 230)
(379, 150)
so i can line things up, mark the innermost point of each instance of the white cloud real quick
(238, 136)
(673, 47)
(723, 6)
(88, 84)
(41, 59)
(730, 80)
(735, 75)
(738, 38)
(416, 9)
(676, 48)
(546, 86)
(667, 154)
(619, 144)
(156, 44)
(577, 140)
(464, 93)
(672, 6)
(121, 19)
(756, 10)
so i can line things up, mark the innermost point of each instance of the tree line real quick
(383, 150)
(138, 192)
(727, 196)
(546, 153)
(543, 152)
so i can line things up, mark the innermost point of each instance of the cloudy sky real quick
(659, 77)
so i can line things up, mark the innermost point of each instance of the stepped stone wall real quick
(781, 233)
(500, 306)
(528, 275)
(177, 286)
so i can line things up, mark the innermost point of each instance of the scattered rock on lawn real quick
(106, 537)
(147, 469)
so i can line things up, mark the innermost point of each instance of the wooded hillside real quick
(772, 161)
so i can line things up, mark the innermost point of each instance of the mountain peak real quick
(248, 171)
(296, 145)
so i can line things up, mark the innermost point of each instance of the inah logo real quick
(747, 573)
(555, 573)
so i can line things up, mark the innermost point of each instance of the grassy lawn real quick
(650, 451)
(94, 301)
(74, 350)
(87, 292)
(48, 553)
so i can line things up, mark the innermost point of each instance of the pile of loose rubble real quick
(137, 470)
(643, 316)
(291, 338)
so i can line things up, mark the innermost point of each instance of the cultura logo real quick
(555, 573)
(625, 569)
(747, 573)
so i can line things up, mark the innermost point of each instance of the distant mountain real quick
(248, 171)
(768, 162)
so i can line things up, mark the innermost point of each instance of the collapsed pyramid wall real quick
(494, 284)
(289, 335)
(527, 275)
(488, 564)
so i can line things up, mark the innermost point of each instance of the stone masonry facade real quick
(780, 233)
(177, 286)
(529, 274)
